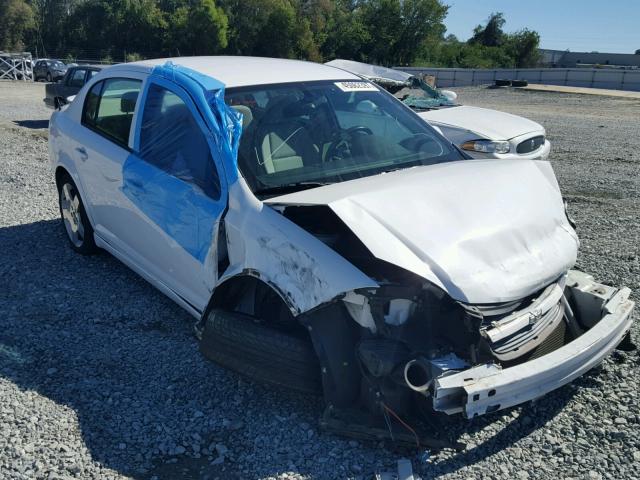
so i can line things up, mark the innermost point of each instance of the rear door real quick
(102, 146)
(72, 82)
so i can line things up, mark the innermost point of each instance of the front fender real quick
(304, 271)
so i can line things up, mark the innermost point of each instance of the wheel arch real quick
(239, 285)
(332, 333)
(60, 173)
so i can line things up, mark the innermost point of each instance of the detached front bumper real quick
(488, 388)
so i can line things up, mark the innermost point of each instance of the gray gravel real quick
(100, 376)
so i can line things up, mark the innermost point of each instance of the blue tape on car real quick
(224, 122)
(179, 174)
(184, 213)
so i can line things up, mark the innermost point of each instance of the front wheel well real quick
(250, 295)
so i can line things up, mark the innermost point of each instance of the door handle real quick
(83, 153)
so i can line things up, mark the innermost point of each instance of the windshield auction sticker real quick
(356, 86)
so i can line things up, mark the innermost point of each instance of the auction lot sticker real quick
(356, 86)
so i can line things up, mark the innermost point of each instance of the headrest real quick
(247, 115)
(128, 102)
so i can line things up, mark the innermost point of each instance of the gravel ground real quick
(100, 376)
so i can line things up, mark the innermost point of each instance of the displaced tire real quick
(519, 83)
(237, 342)
(502, 82)
(74, 218)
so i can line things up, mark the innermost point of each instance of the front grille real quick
(530, 337)
(529, 145)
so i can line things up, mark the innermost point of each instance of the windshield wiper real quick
(289, 188)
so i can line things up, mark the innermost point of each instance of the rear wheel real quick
(74, 218)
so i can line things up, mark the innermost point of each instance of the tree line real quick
(386, 32)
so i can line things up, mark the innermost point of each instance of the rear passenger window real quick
(109, 108)
(172, 140)
(91, 105)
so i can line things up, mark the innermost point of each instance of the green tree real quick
(398, 29)
(491, 35)
(16, 20)
(270, 28)
(198, 28)
(421, 21)
(115, 27)
(345, 33)
(523, 48)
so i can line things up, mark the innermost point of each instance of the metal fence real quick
(574, 77)
(16, 66)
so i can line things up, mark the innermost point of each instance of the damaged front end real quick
(417, 351)
(421, 341)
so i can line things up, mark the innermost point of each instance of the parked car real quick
(481, 132)
(325, 238)
(62, 92)
(49, 70)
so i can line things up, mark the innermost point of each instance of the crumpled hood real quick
(490, 124)
(485, 231)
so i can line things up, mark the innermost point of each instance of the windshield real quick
(418, 94)
(56, 64)
(304, 134)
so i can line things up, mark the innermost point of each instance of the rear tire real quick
(75, 222)
(237, 342)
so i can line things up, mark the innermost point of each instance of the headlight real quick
(486, 146)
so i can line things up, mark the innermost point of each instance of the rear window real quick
(76, 79)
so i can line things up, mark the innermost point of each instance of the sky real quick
(611, 26)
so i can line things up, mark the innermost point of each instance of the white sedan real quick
(327, 239)
(481, 132)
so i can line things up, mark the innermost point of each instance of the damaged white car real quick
(481, 132)
(327, 239)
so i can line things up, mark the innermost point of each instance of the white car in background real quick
(481, 132)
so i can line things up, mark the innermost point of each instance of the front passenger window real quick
(172, 140)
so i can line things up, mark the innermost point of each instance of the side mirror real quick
(449, 95)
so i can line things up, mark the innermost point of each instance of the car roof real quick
(370, 71)
(235, 71)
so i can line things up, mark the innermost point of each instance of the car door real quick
(174, 189)
(100, 146)
(72, 82)
(37, 70)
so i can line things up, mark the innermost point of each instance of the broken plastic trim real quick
(487, 388)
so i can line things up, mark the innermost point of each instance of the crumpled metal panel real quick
(263, 243)
(485, 231)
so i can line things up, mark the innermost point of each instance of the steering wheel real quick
(341, 142)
